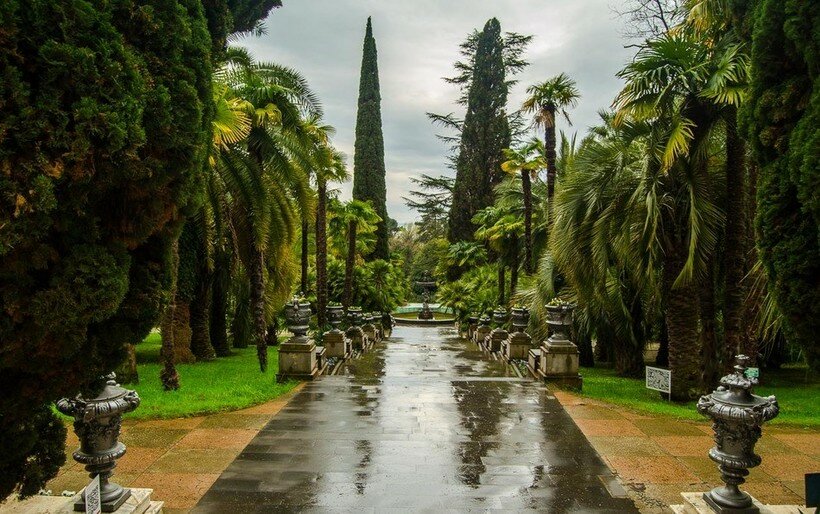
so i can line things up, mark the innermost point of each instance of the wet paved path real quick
(423, 422)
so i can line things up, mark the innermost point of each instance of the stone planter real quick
(559, 356)
(354, 331)
(97, 423)
(334, 340)
(737, 415)
(482, 331)
(335, 314)
(519, 343)
(297, 356)
(499, 335)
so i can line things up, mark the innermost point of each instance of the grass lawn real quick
(415, 315)
(224, 384)
(797, 396)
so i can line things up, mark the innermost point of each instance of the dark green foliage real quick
(247, 15)
(368, 158)
(484, 135)
(104, 124)
(782, 116)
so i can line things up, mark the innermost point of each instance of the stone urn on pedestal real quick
(559, 356)
(297, 356)
(354, 330)
(499, 334)
(736, 416)
(97, 421)
(482, 331)
(472, 326)
(369, 328)
(520, 342)
(336, 344)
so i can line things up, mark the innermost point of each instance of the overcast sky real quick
(417, 44)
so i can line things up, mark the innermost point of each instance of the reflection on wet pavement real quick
(422, 422)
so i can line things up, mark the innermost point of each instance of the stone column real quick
(297, 356)
(559, 356)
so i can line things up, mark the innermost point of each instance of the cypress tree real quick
(485, 133)
(368, 158)
(782, 114)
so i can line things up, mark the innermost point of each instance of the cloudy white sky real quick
(417, 44)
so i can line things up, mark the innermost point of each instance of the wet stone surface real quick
(423, 422)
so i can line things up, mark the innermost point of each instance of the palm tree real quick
(263, 182)
(678, 85)
(353, 218)
(544, 101)
(502, 231)
(526, 160)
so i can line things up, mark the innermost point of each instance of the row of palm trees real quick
(269, 145)
(646, 223)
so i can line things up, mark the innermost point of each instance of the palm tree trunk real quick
(305, 228)
(501, 279)
(168, 375)
(549, 153)
(526, 188)
(219, 304)
(200, 317)
(350, 260)
(513, 279)
(257, 270)
(321, 253)
(681, 322)
(737, 243)
(710, 350)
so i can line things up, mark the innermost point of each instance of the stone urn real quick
(737, 415)
(520, 318)
(297, 316)
(335, 313)
(97, 422)
(559, 319)
(500, 317)
(354, 316)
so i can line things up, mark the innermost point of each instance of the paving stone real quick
(422, 422)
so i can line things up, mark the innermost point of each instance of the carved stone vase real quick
(97, 422)
(737, 416)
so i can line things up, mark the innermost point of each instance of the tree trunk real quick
(257, 276)
(350, 260)
(549, 151)
(585, 355)
(501, 279)
(526, 188)
(710, 350)
(681, 322)
(219, 305)
(513, 280)
(272, 338)
(737, 244)
(127, 372)
(662, 359)
(168, 375)
(200, 314)
(321, 254)
(182, 333)
(304, 282)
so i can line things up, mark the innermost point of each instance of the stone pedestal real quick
(534, 362)
(497, 338)
(369, 330)
(297, 359)
(336, 344)
(518, 346)
(481, 334)
(357, 338)
(559, 364)
(138, 502)
(693, 503)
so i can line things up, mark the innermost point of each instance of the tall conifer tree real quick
(486, 132)
(368, 159)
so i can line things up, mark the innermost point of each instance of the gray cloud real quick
(417, 44)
